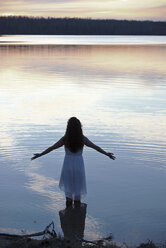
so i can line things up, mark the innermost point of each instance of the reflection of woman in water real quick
(73, 221)
(72, 180)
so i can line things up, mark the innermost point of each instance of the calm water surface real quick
(119, 94)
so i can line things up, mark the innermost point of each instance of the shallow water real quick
(119, 94)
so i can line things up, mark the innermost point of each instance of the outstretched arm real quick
(88, 143)
(51, 148)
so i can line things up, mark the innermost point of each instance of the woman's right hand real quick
(111, 155)
(36, 155)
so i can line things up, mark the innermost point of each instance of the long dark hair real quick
(73, 138)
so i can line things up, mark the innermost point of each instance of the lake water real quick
(116, 86)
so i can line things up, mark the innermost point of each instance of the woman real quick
(72, 180)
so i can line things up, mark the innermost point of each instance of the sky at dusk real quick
(110, 9)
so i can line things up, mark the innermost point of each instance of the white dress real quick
(72, 180)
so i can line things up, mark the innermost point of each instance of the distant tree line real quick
(79, 26)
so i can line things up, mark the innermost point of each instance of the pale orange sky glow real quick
(111, 9)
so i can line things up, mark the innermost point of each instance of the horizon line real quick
(84, 18)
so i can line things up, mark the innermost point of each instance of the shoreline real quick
(50, 239)
(61, 242)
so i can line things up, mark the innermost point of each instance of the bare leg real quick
(77, 201)
(68, 201)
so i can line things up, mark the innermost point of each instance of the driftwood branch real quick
(44, 232)
(49, 230)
